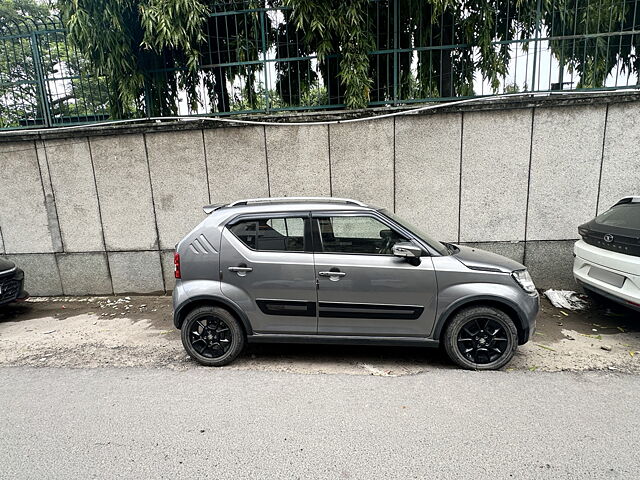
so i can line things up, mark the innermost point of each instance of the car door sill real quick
(342, 340)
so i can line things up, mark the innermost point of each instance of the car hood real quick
(478, 259)
(6, 265)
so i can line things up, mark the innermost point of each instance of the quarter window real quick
(271, 234)
(357, 234)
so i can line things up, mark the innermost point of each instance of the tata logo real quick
(608, 238)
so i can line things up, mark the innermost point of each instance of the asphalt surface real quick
(222, 423)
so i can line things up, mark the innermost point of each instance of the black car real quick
(11, 282)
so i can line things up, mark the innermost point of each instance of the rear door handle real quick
(240, 269)
(332, 274)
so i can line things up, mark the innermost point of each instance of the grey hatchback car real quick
(331, 270)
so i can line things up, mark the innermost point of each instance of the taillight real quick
(176, 262)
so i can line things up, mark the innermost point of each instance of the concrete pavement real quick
(223, 423)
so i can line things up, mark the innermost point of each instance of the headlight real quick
(524, 280)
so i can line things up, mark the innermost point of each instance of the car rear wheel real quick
(212, 336)
(481, 338)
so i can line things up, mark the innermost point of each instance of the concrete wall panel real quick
(621, 160)
(551, 264)
(565, 168)
(75, 193)
(495, 170)
(237, 163)
(136, 272)
(428, 172)
(41, 277)
(168, 270)
(362, 161)
(124, 191)
(23, 214)
(179, 181)
(298, 161)
(84, 273)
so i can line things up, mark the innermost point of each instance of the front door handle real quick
(332, 274)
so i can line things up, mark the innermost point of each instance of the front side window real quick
(271, 234)
(357, 234)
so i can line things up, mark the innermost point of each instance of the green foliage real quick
(593, 57)
(78, 96)
(127, 39)
(156, 53)
(336, 27)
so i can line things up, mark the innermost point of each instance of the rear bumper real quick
(608, 295)
(623, 266)
(12, 286)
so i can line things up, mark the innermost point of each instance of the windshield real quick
(624, 216)
(436, 245)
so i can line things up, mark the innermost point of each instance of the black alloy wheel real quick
(481, 338)
(212, 336)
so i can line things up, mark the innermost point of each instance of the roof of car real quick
(258, 205)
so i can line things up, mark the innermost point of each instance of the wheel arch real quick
(508, 307)
(213, 300)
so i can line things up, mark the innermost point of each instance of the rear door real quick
(267, 269)
(363, 289)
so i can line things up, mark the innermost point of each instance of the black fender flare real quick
(177, 314)
(444, 316)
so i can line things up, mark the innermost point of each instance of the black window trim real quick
(317, 239)
(304, 215)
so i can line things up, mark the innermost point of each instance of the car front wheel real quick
(212, 336)
(481, 338)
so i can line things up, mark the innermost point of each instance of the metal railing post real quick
(263, 28)
(396, 46)
(535, 46)
(41, 84)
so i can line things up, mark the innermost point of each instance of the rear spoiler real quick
(212, 208)
(633, 199)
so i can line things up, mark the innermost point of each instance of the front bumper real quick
(12, 286)
(529, 308)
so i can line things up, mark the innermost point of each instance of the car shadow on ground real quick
(139, 331)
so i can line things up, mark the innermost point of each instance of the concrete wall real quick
(98, 213)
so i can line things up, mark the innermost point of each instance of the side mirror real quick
(407, 250)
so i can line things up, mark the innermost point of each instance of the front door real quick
(267, 269)
(363, 289)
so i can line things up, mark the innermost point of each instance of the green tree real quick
(28, 27)
(596, 50)
(162, 50)
(126, 40)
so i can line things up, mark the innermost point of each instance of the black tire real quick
(481, 338)
(212, 336)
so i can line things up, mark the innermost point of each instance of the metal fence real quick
(255, 60)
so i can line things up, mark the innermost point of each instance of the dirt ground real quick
(94, 332)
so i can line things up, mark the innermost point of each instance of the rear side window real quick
(271, 234)
(623, 216)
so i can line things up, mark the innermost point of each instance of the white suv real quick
(607, 259)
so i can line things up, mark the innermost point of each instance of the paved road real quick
(217, 423)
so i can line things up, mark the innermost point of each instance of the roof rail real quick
(297, 200)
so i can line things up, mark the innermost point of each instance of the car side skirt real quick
(342, 340)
